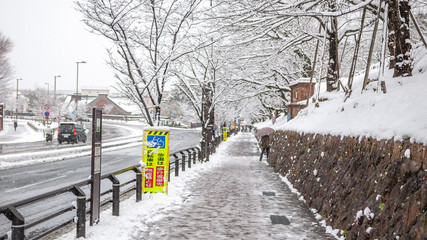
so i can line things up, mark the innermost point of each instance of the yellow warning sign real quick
(224, 134)
(155, 150)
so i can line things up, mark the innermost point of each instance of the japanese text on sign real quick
(156, 159)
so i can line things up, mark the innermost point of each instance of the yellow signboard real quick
(156, 159)
(224, 134)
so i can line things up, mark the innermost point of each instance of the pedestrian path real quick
(220, 199)
(227, 202)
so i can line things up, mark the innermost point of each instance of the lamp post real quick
(54, 87)
(58, 112)
(77, 85)
(17, 84)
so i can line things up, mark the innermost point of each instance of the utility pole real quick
(77, 87)
(54, 87)
(17, 89)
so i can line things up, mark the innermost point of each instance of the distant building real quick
(93, 92)
(107, 105)
(299, 95)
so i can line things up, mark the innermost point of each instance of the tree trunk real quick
(403, 46)
(332, 75)
(399, 38)
(157, 116)
(392, 15)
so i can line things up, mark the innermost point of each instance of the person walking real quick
(15, 125)
(265, 145)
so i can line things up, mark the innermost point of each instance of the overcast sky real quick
(49, 38)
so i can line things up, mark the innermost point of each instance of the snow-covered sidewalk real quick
(221, 199)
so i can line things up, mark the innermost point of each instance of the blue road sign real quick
(156, 141)
(46, 114)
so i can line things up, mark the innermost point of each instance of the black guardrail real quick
(26, 227)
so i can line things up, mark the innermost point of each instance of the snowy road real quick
(19, 183)
(24, 182)
(25, 139)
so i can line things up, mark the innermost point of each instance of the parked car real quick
(71, 132)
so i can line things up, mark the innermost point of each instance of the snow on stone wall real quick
(370, 189)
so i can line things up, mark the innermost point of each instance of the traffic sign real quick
(46, 106)
(47, 114)
(156, 159)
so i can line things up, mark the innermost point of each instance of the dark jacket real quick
(265, 141)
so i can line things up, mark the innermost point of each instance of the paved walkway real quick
(227, 203)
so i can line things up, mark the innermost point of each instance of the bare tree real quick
(148, 37)
(6, 71)
(202, 81)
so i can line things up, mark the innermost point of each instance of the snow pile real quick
(24, 133)
(400, 113)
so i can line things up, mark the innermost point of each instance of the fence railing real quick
(24, 226)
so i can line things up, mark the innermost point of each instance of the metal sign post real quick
(156, 158)
(96, 166)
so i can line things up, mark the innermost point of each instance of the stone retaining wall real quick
(370, 189)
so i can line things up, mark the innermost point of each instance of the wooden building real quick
(299, 95)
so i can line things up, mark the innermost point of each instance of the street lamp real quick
(54, 87)
(77, 84)
(54, 96)
(17, 84)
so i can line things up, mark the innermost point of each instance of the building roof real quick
(107, 105)
(302, 80)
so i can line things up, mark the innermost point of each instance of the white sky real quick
(49, 38)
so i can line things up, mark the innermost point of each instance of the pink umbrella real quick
(264, 131)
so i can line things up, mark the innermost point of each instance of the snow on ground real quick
(23, 133)
(400, 113)
(127, 224)
(158, 215)
(32, 158)
(26, 134)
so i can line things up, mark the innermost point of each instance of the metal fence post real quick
(200, 154)
(18, 223)
(194, 155)
(138, 186)
(81, 211)
(189, 158)
(183, 160)
(116, 195)
(176, 165)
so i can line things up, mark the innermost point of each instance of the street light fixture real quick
(17, 84)
(77, 85)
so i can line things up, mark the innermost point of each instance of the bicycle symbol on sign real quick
(155, 141)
